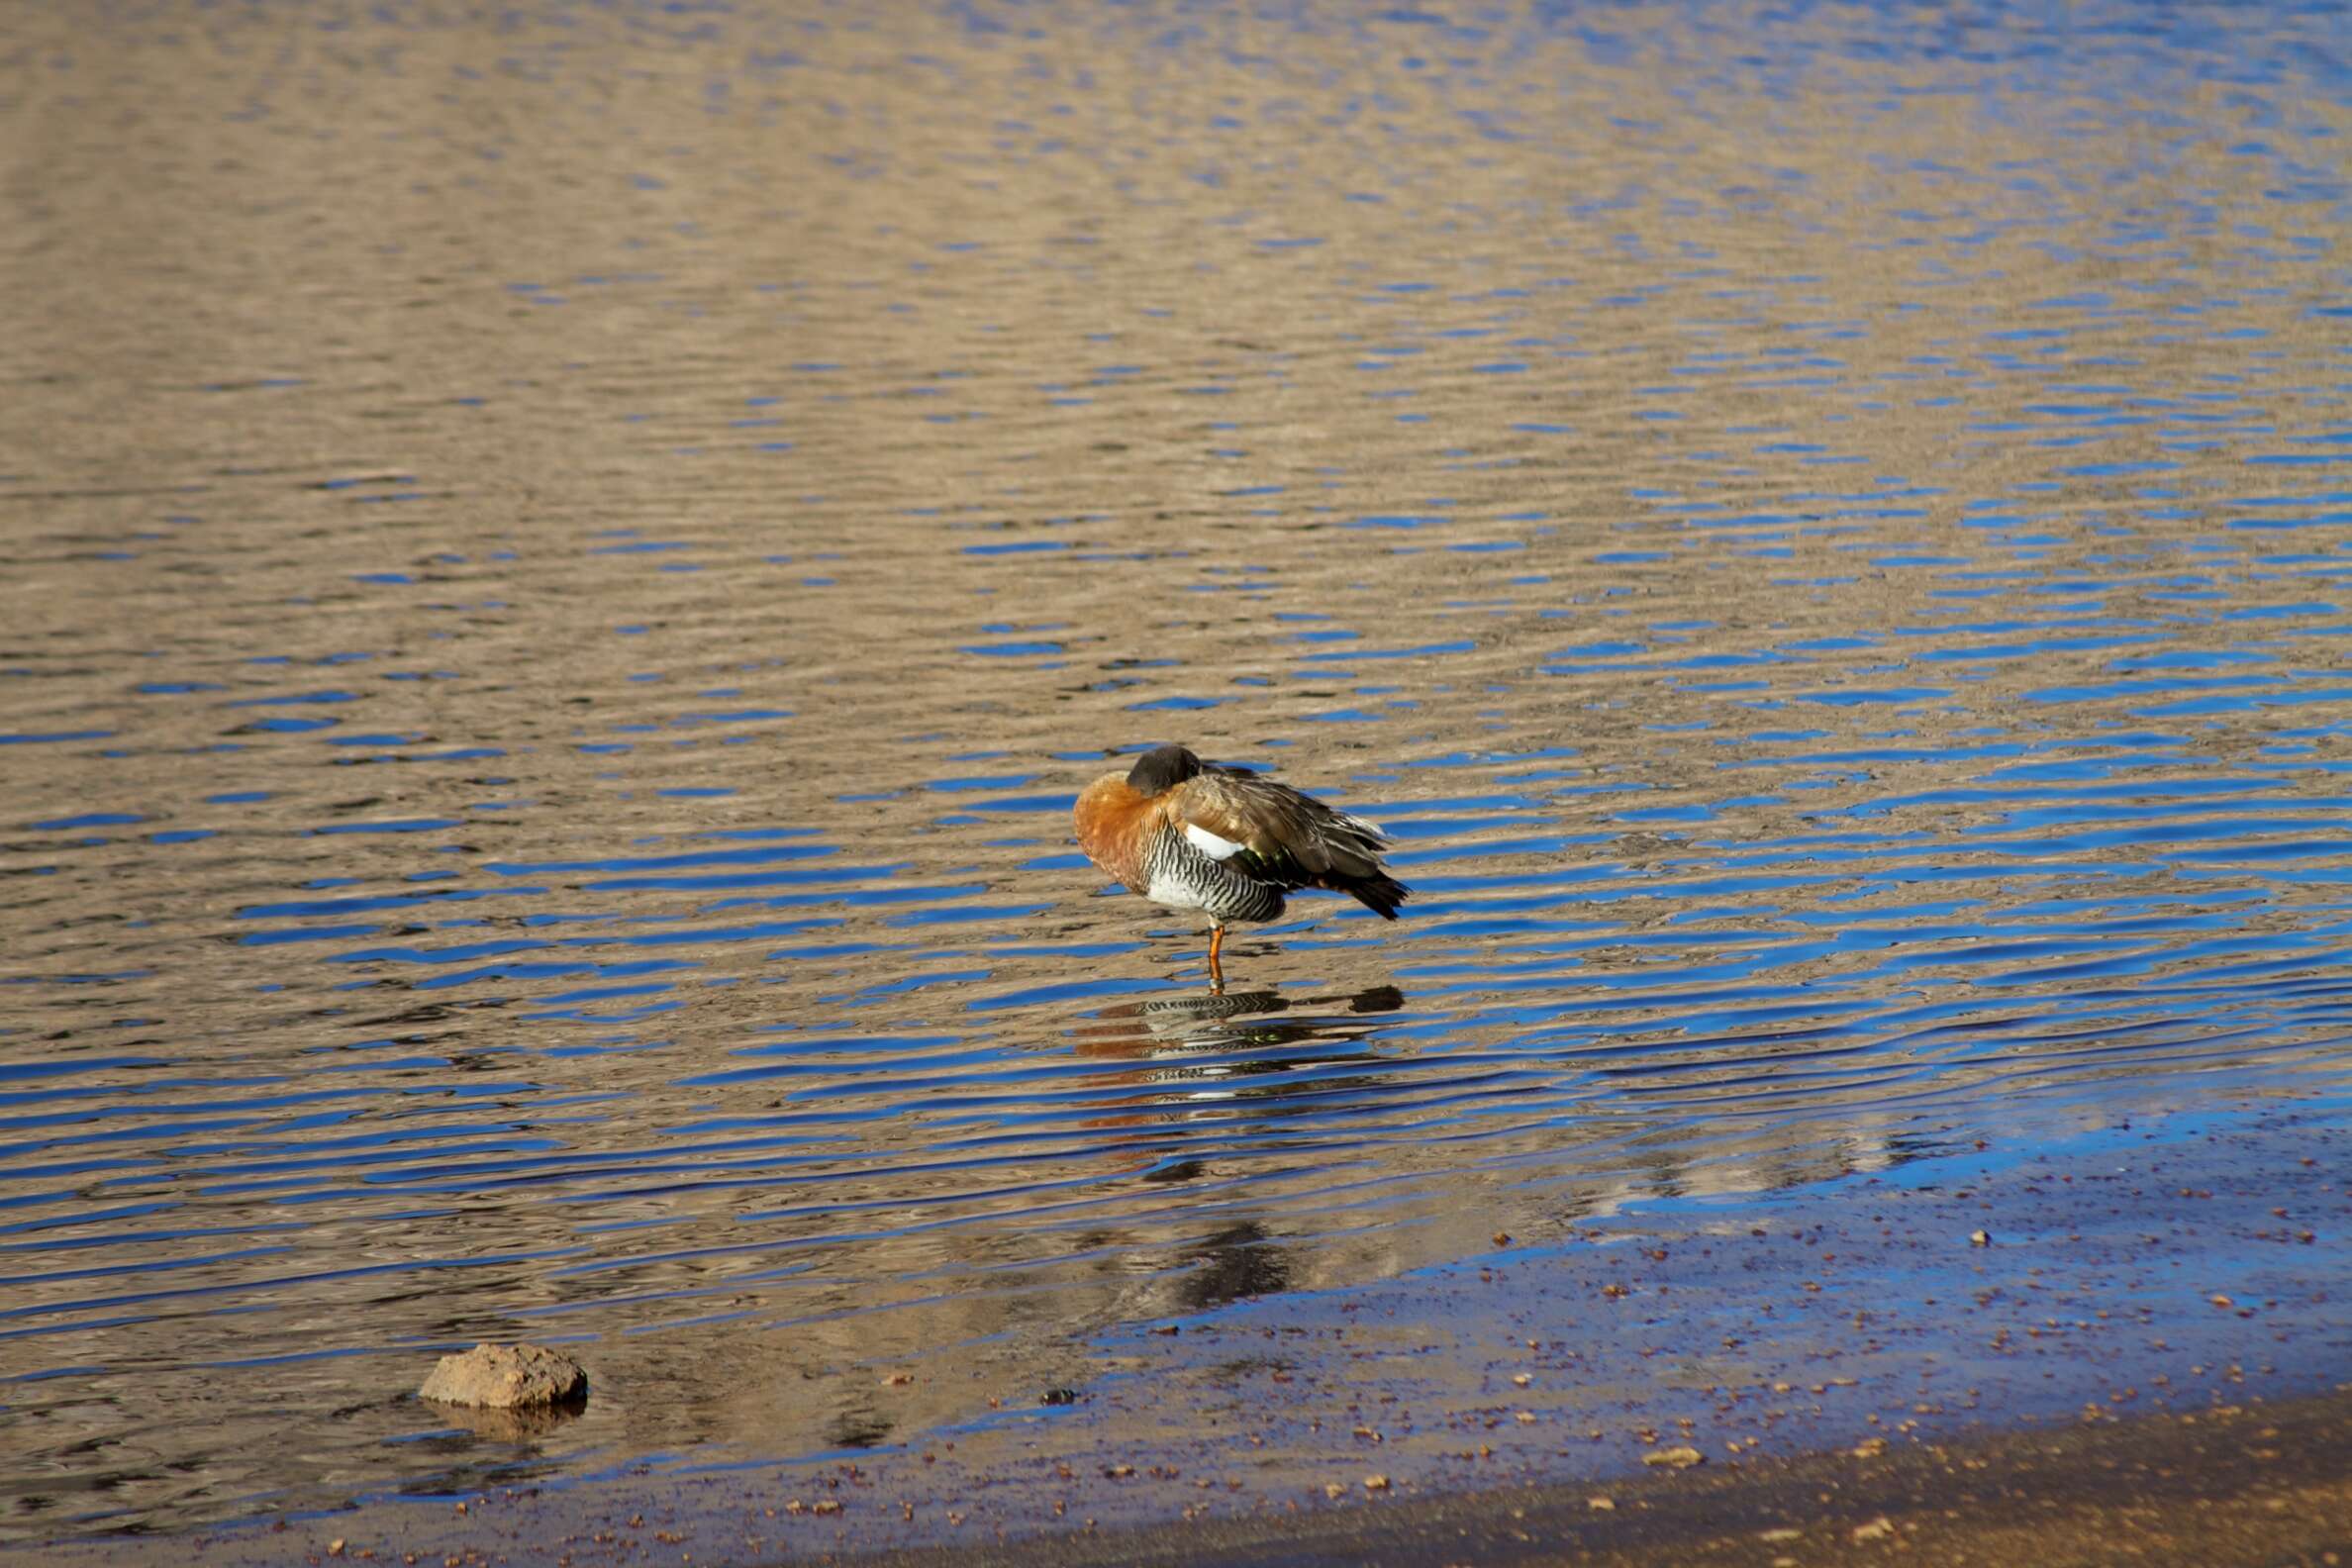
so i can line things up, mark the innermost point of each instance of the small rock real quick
(504, 1377)
(1784, 1534)
(1601, 1505)
(335, 1547)
(1376, 1483)
(1335, 1491)
(1870, 1447)
(1980, 1238)
(1681, 1457)
(1059, 1396)
(1877, 1530)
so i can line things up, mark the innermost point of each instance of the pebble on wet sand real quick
(506, 1377)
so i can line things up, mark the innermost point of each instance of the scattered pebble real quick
(1681, 1456)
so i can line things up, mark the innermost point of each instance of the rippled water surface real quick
(559, 573)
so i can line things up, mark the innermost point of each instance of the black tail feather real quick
(1379, 893)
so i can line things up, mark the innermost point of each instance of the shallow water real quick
(560, 578)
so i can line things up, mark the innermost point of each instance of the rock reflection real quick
(519, 1425)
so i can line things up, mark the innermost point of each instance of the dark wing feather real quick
(1288, 837)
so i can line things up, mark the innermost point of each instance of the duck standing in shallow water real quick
(1192, 835)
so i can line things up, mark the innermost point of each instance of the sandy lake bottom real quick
(560, 570)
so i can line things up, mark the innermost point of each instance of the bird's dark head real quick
(1161, 769)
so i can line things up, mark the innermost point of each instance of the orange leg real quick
(1215, 968)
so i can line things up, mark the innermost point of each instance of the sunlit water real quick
(560, 580)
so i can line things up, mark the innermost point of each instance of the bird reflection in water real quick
(1240, 1020)
(1219, 1063)
(1214, 1079)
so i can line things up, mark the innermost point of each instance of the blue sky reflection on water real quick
(540, 722)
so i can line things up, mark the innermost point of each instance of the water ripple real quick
(544, 808)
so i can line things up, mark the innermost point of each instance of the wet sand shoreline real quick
(2260, 1483)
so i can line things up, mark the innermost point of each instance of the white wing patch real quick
(1173, 893)
(1209, 843)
